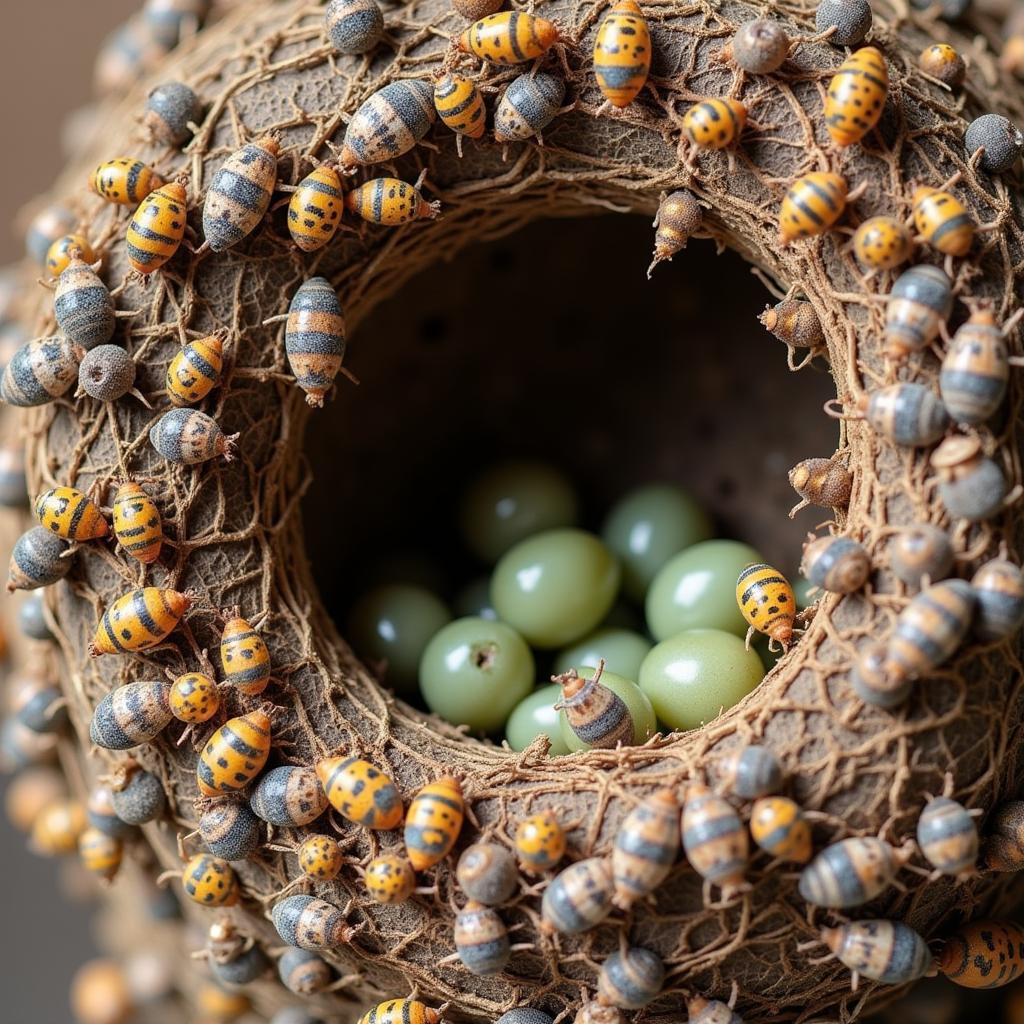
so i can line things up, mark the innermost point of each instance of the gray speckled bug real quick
(314, 338)
(303, 972)
(141, 798)
(529, 105)
(170, 108)
(169, 21)
(630, 979)
(189, 436)
(310, 923)
(99, 809)
(1000, 138)
(83, 305)
(242, 969)
(130, 715)
(920, 301)
(886, 951)
(36, 560)
(851, 20)
(13, 488)
(230, 830)
(240, 193)
(837, 564)
(389, 123)
(878, 682)
(32, 620)
(948, 837)
(106, 373)
(971, 485)
(487, 873)
(948, 10)
(44, 711)
(999, 592)
(354, 26)
(39, 372)
(850, 872)
(481, 940)
(920, 552)
(289, 796)
(752, 772)
(525, 1015)
(49, 224)
(759, 47)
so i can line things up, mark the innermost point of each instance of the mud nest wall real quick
(238, 534)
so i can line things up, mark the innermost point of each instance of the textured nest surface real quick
(238, 532)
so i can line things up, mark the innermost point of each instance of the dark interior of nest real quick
(552, 344)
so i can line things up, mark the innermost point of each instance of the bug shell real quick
(433, 822)
(595, 1012)
(1004, 837)
(877, 680)
(391, 202)
(40, 371)
(320, 857)
(631, 978)
(13, 489)
(983, 954)
(882, 243)
(767, 601)
(195, 371)
(711, 1011)
(971, 485)
(525, 1015)
(851, 20)
(794, 322)
(596, 714)
(29, 792)
(390, 879)
(907, 414)
(943, 221)
(101, 814)
(137, 524)
(169, 20)
(188, 436)
(759, 47)
(941, 61)
(752, 772)
(58, 827)
(578, 898)
(240, 193)
(679, 216)
(244, 658)
(32, 618)
(920, 300)
(230, 830)
(540, 842)
(401, 1011)
(36, 560)
(194, 698)
(812, 205)
(646, 847)
(301, 971)
(931, 628)
(849, 873)
(975, 370)
(714, 123)
(69, 514)
(528, 106)
(406, 107)
(622, 53)
(130, 715)
(886, 951)
(106, 373)
(481, 940)
(141, 799)
(100, 853)
(360, 792)
(778, 826)
(310, 923)
(314, 212)
(138, 620)
(354, 26)
(210, 881)
(125, 181)
(1001, 139)
(170, 108)
(948, 837)
(999, 593)
(157, 228)
(714, 839)
(838, 564)
(59, 255)
(460, 105)
(288, 796)
(509, 37)
(234, 755)
(83, 306)
(45, 228)
(856, 96)
(314, 338)
(919, 551)
(242, 969)
(822, 482)
(487, 873)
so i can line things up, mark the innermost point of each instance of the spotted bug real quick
(28, 794)
(195, 371)
(889, 952)
(100, 812)
(714, 839)
(529, 104)
(303, 972)
(314, 338)
(157, 228)
(811, 206)
(646, 846)
(59, 255)
(188, 437)
(881, 243)
(137, 524)
(767, 602)
(83, 306)
(244, 657)
(778, 826)
(288, 796)
(931, 628)
(509, 37)
(169, 21)
(230, 830)
(971, 485)
(920, 553)
(210, 881)
(975, 370)
(401, 1011)
(433, 822)
(622, 53)
(391, 202)
(57, 828)
(239, 194)
(460, 106)
(822, 482)
(100, 853)
(943, 221)
(839, 565)
(751, 772)
(314, 212)
(171, 108)
(877, 680)
(69, 514)
(320, 857)
(37, 560)
(132, 714)
(941, 61)
(948, 838)
(999, 600)
(49, 224)
(124, 181)
(630, 978)
(596, 714)
(194, 698)
(214, 1003)
(481, 940)
(390, 879)
(234, 755)
(850, 872)
(907, 414)
(679, 216)
(360, 792)
(856, 96)
(540, 842)
(578, 898)
(983, 954)
(919, 303)
(138, 620)
(406, 107)
(710, 1011)
(715, 123)
(310, 923)
(487, 873)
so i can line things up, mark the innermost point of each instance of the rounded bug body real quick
(242, 969)
(714, 839)
(711, 1011)
(931, 628)
(778, 826)
(125, 181)
(794, 322)
(100, 853)
(487, 873)
(314, 212)
(630, 978)
(170, 109)
(715, 123)
(354, 26)
(822, 482)
(288, 796)
(941, 61)
(234, 755)
(811, 206)
(390, 879)
(849, 873)
(60, 254)
(360, 792)
(877, 680)
(195, 371)
(28, 794)
(596, 714)
(983, 954)
(433, 822)
(460, 105)
(528, 106)
(140, 799)
(646, 847)
(999, 600)
(38, 372)
(995, 142)
(767, 602)
(32, 619)
(49, 224)
(100, 812)
(401, 1011)
(138, 620)
(37, 560)
(69, 514)
(578, 898)
(907, 414)
(975, 370)
(169, 21)
(310, 923)
(188, 437)
(314, 338)
(240, 193)
(83, 306)
(194, 698)
(157, 228)
(390, 202)
(389, 123)
(839, 565)
(303, 972)
(759, 47)
(481, 940)
(948, 837)
(540, 842)
(920, 552)
(57, 828)
(679, 216)
(210, 881)
(106, 373)
(622, 53)
(137, 524)
(320, 857)
(1004, 837)
(130, 715)
(920, 301)
(37, 703)
(509, 37)
(885, 951)
(230, 830)
(849, 21)
(943, 221)
(525, 1015)
(244, 657)
(751, 772)
(971, 485)
(882, 243)
(856, 96)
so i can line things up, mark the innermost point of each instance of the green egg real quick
(474, 600)
(645, 724)
(394, 623)
(511, 502)
(474, 672)
(536, 715)
(647, 527)
(691, 677)
(622, 650)
(697, 590)
(555, 587)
